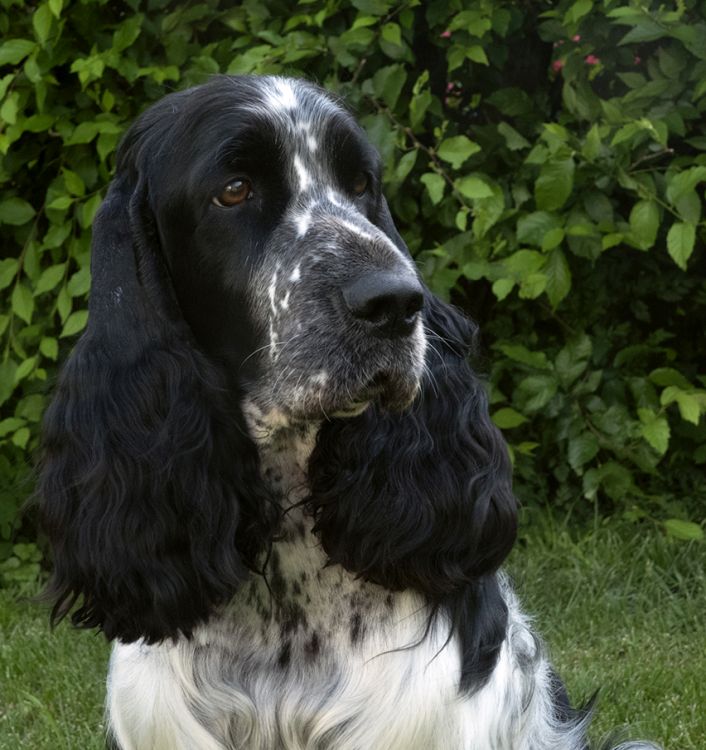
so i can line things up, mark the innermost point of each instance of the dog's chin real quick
(387, 394)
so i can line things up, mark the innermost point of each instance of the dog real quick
(268, 471)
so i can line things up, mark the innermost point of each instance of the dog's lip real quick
(352, 410)
(375, 389)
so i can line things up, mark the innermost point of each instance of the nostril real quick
(388, 302)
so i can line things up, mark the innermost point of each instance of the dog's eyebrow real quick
(249, 140)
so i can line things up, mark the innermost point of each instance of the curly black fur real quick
(423, 499)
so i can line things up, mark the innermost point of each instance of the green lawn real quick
(623, 612)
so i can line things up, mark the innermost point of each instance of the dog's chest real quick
(306, 656)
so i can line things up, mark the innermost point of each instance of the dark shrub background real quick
(546, 164)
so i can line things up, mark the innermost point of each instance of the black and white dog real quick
(268, 470)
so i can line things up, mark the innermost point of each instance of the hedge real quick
(545, 162)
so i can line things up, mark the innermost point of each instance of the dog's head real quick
(245, 254)
(264, 199)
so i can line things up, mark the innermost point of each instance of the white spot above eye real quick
(302, 174)
(333, 198)
(296, 274)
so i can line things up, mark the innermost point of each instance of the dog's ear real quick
(149, 486)
(423, 499)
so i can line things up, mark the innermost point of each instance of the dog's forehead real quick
(298, 105)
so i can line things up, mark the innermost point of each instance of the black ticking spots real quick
(285, 655)
(313, 646)
(356, 628)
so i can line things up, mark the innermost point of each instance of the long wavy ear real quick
(423, 499)
(149, 489)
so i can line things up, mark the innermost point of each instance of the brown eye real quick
(360, 183)
(233, 193)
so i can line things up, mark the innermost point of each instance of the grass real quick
(623, 613)
(620, 610)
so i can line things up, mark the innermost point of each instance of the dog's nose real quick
(389, 302)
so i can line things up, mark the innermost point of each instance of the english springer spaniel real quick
(269, 473)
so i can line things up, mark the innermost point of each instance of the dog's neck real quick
(285, 447)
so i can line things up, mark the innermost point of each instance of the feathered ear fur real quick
(149, 490)
(423, 499)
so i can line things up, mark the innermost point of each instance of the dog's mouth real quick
(386, 389)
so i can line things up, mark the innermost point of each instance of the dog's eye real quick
(360, 183)
(233, 193)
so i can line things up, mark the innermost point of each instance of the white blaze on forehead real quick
(311, 142)
(302, 221)
(272, 291)
(281, 95)
(302, 174)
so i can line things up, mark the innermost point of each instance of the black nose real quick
(389, 302)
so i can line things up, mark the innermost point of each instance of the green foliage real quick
(545, 161)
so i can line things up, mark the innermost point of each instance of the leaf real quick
(10, 425)
(665, 376)
(686, 530)
(8, 271)
(49, 347)
(513, 140)
(684, 182)
(554, 184)
(435, 185)
(127, 32)
(689, 405)
(508, 418)
(535, 392)
(582, 449)
(14, 50)
(502, 287)
(558, 276)
(388, 82)
(655, 430)
(522, 354)
(644, 223)
(615, 480)
(553, 238)
(533, 227)
(50, 278)
(457, 150)
(25, 368)
(15, 211)
(473, 187)
(61, 202)
(680, 242)
(476, 53)
(80, 282)
(42, 21)
(22, 302)
(75, 322)
(8, 368)
(21, 437)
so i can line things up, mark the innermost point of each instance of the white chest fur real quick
(309, 657)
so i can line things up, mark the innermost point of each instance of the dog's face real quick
(285, 262)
